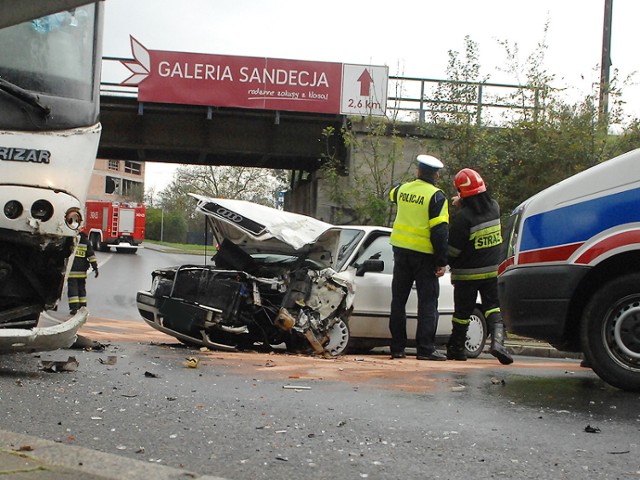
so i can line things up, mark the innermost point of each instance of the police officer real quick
(76, 282)
(475, 242)
(419, 240)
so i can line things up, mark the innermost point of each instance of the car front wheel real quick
(338, 338)
(610, 334)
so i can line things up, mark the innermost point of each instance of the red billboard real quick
(230, 81)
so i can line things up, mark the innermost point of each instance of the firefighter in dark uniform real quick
(76, 282)
(475, 242)
(419, 240)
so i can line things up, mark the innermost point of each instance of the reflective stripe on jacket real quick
(83, 259)
(475, 244)
(412, 226)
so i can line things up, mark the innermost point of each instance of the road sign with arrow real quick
(364, 90)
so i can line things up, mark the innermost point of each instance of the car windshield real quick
(510, 233)
(349, 239)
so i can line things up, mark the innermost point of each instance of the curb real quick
(34, 458)
(539, 350)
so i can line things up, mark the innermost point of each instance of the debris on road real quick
(192, 362)
(69, 365)
(111, 360)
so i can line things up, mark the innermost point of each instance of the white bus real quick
(49, 134)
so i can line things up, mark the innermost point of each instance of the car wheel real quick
(338, 338)
(476, 334)
(610, 333)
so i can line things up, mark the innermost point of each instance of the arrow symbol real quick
(365, 83)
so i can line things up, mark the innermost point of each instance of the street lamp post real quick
(605, 64)
(162, 224)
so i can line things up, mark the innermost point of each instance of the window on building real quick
(133, 167)
(114, 165)
(112, 185)
(132, 189)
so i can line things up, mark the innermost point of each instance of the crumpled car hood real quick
(260, 229)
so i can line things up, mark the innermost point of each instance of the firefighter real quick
(76, 282)
(475, 243)
(419, 239)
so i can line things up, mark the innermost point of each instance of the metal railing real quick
(418, 98)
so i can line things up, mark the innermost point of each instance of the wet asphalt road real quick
(538, 418)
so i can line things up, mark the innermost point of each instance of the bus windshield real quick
(54, 55)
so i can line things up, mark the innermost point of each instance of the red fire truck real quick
(115, 224)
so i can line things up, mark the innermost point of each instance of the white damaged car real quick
(280, 277)
(272, 280)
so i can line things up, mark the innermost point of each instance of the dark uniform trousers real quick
(465, 295)
(410, 266)
(77, 293)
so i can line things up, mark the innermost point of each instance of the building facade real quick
(117, 180)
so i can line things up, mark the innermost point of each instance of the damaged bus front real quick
(49, 134)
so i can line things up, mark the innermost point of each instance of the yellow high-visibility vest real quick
(412, 226)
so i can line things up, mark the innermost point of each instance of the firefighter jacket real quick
(422, 209)
(84, 258)
(475, 243)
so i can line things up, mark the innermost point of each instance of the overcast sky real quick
(411, 37)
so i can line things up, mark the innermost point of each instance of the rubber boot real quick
(498, 349)
(455, 346)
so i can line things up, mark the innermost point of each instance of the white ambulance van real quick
(572, 272)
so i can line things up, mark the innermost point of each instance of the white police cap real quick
(429, 161)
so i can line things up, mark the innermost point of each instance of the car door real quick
(372, 303)
(370, 317)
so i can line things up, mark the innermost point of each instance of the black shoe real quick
(454, 354)
(73, 311)
(435, 356)
(398, 355)
(501, 353)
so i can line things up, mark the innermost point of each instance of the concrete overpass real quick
(200, 135)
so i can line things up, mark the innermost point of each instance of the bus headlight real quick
(13, 209)
(42, 210)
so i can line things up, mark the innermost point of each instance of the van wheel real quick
(610, 333)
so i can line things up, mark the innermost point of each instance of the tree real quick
(361, 193)
(245, 183)
(543, 139)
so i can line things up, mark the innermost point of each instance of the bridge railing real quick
(429, 99)
(411, 99)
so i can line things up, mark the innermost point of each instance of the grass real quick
(183, 247)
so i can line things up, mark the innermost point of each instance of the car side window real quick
(378, 248)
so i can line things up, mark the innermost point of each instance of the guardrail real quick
(418, 99)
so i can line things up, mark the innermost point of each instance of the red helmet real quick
(469, 182)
